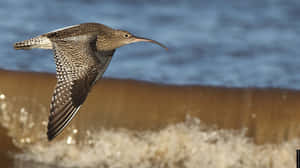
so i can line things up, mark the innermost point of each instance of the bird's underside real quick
(78, 65)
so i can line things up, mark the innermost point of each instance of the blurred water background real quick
(224, 43)
(249, 43)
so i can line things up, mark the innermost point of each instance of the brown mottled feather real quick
(77, 30)
(78, 67)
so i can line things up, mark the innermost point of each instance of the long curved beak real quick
(142, 39)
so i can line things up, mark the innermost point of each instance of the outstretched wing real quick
(77, 67)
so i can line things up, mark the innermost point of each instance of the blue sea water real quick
(225, 43)
(237, 43)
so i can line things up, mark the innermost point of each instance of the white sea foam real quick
(186, 144)
(190, 144)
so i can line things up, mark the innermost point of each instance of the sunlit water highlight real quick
(189, 144)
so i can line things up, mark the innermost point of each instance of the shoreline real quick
(271, 115)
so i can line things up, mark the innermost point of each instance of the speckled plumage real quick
(75, 77)
(82, 53)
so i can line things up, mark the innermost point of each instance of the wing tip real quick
(54, 130)
(50, 136)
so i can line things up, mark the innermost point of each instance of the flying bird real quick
(82, 53)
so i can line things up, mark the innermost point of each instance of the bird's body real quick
(82, 53)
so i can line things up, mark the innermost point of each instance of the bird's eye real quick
(126, 35)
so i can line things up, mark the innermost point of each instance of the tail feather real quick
(37, 42)
(23, 45)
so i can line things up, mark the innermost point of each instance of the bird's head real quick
(119, 38)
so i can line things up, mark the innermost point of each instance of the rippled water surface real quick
(232, 43)
(226, 43)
